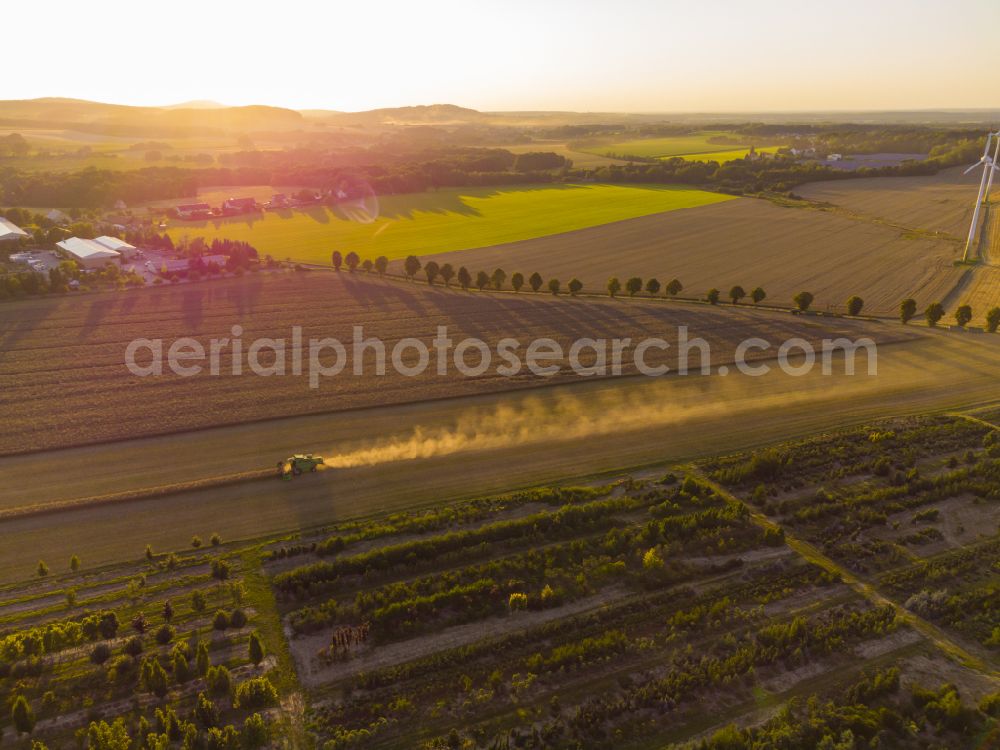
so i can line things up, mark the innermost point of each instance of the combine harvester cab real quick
(299, 463)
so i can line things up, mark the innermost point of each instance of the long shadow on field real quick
(382, 295)
(192, 308)
(96, 312)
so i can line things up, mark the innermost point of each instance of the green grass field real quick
(693, 147)
(444, 220)
(724, 156)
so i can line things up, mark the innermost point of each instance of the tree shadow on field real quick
(381, 295)
(96, 312)
(192, 309)
(244, 296)
(454, 200)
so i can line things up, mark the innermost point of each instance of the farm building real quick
(239, 205)
(119, 246)
(193, 211)
(90, 254)
(10, 232)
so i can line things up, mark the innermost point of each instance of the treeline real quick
(390, 169)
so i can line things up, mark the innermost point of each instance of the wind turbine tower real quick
(989, 167)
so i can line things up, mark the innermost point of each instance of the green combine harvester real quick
(299, 463)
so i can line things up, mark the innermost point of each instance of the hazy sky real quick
(626, 55)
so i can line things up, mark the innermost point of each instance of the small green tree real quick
(351, 260)
(381, 265)
(574, 286)
(674, 287)
(431, 270)
(366, 265)
(206, 712)
(907, 309)
(447, 273)
(464, 277)
(482, 280)
(201, 658)
(653, 286)
(934, 313)
(43, 569)
(197, 601)
(196, 541)
(535, 281)
(337, 259)
(803, 300)
(168, 611)
(215, 540)
(633, 285)
(736, 294)
(22, 716)
(153, 676)
(411, 265)
(993, 320)
(554, 286)
(254, 733)
(498, 278)
(758, 295)
(614, 286)
(74, 563)
(182, 670)
(256, 648)
(854, 305)
(963, 315)
(149, 552)
(517, 281)
(713, 296)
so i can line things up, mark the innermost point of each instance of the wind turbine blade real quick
(971, 168)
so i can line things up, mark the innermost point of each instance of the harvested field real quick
(981, 291)
(747, 242)
(940, 203)
(498, 442)
(77, 346)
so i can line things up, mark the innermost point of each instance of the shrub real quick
(257, 692)
(219, 681)
(215, 540)
(164, 634)
(221, 620)
(133, 646)
(100, 653)
(237, 619)
(254, 731)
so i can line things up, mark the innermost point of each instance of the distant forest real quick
(398, 169)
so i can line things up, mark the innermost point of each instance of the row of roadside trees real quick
(447, 273)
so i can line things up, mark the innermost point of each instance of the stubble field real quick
(421, 454)
(77, 347)
(748, 242)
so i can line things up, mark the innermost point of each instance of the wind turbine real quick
(989, 167)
